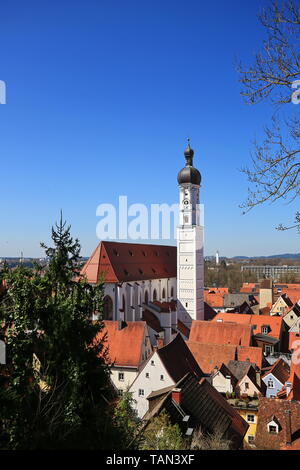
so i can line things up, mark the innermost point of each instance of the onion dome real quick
(189, 174)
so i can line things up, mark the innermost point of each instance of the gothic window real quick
(163, 295)
(107, 308)
(154, 295)
(123, 305)
(172, 292)
(146, 297)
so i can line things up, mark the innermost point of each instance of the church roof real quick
(121, 262)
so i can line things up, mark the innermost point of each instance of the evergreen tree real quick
(55, 388)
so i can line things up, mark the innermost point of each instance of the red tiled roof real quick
(183, 328)
(167, 306)
(293, 294)
(213, 299)
(273, 408)
(209, 356)
(248, 287)
(120, 262)
(125, 345)
(214, 332)
(250, 353)
(217, 290)
(152, 321)
(274, 322)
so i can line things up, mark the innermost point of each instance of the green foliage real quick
(124, 419)
(160, 434)
(55, 389)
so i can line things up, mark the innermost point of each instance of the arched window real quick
(146, 297)
(172, 292)
(123, 304)
(107, 308)
(163, 295)
(154, 295)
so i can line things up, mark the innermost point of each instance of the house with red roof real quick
(291, 315)
(164, 368)
(193, 405)
(278, 426)
(282, 305)
(127, 346)
(221, 332)
(275, 378)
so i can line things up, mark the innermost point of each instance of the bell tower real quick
(190, 265)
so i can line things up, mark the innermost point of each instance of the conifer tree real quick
(55, 388)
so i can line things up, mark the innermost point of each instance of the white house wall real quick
(151, 384)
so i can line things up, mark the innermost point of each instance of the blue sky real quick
(101, 97)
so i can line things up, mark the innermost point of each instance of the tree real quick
(160, 434)
(55, 389)
(274, 76)
(124, 419)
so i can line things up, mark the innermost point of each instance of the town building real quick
(194, 405)
(164, 368)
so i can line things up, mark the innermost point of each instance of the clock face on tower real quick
(186, 202)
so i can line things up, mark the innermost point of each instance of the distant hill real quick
(283, 256)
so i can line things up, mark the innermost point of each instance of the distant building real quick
(271, 271)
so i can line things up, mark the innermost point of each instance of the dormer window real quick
(265, 329)
(272, 429)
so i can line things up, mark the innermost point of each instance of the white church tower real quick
(190, 265)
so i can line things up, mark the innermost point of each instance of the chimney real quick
(176, 395)
(288, 428)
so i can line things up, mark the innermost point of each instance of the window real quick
(121, 376)
(108, 308)
(152, 363)
(265, 329)
(246, 385)
(120, 393)
(147, 375)
(268, 350)
(146, 297)
(250, 439)
(154, 295)
(163, 293)
(270, 383)
(186, 304)
(251, 418)
(161, 377)
(172, 291)
(272, 429)
(141, 392)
